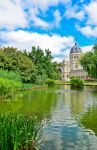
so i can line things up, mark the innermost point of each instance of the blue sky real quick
(53, 24)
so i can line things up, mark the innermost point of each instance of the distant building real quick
(72, 68)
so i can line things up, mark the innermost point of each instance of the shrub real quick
(41, 79)
(8, 87)
(50, 82)
(18, 132)
(76, 82)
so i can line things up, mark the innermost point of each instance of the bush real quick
(8, 87)
(76, 82)
(50, 82)
(41, 79)
(18, 132)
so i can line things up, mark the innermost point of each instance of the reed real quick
(18, 132)
(11, 75)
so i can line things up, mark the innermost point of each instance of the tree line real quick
(89, 62)
(34, 67)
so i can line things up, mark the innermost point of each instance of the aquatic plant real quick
(76, 82)
(50, 82)
(18, 132)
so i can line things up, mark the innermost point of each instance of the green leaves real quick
(31, 66)
(18, 131)
(13, 60)
(89, 62)
(76, 82)
(43, 61)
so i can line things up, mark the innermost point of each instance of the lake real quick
(69, 116)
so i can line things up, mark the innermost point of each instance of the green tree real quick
(12, 59)
(43, 61)
(89, 62)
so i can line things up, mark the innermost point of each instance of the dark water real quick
(69, 117)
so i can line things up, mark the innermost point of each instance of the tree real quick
(13, 60)
(43, 61)
(89, 62)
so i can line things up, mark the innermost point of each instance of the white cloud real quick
(43, 4)
(73, 12)
(58, 59)
(86, 48)
(35, 20)
(11, 15)
(58, 18)
(25, 40)
(88, 31)
(91, 10)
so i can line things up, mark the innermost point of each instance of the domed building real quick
(72, 67)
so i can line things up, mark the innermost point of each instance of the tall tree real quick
(13, 60)
(89, 62)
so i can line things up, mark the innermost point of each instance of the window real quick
(76, 65)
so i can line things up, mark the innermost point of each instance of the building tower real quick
(75, 68)
(75, 54)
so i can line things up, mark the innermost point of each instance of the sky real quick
(53, 24)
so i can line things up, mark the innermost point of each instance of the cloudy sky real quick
(53, 24)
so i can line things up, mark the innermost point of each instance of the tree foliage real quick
(13, 60)
(89, 62)
(35, 66)
(43, 61)
(76, 82)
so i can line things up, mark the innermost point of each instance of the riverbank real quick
(68, 83)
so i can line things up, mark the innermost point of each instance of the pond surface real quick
(69, 117)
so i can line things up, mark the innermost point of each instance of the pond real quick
(69, 117)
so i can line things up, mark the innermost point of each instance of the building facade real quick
(72, 68)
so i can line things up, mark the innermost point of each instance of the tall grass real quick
(10, 75)
(8, 87)
(18, 132)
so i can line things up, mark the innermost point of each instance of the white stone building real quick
(71, 68)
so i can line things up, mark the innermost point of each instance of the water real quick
(69, 117)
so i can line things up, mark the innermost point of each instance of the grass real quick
(18, 132)
(10, 75)
(8, 87)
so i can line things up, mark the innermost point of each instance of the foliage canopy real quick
(35, 66)
(89, 62)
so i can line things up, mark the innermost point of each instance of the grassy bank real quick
(8, 87)
(91, 83)
(18, 132)
(86, 83)
(10, 82)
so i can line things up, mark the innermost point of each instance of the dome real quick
(75, 49)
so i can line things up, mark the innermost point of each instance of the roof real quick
(75, 49)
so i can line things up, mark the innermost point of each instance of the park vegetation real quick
(89, 62)
(76, 82)
(18, 132)
(22, 69)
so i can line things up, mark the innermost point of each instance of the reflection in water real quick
(68, 115)
(89, 119)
